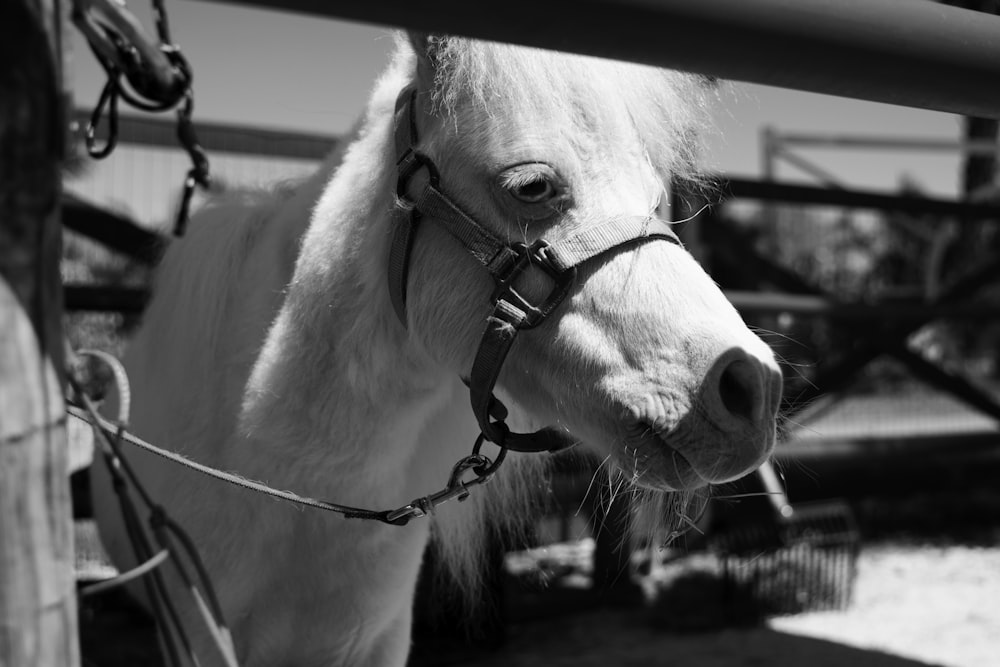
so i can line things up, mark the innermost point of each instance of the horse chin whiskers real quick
(657, 517)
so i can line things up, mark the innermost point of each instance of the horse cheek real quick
(447, 300)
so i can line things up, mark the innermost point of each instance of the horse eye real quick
(532, 183)
(534, 191)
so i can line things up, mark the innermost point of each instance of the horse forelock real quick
(597, 98)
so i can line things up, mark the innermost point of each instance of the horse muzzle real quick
(723, 433)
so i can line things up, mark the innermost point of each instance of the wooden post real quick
(37, 597)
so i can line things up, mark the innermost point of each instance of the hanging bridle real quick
(505, 262)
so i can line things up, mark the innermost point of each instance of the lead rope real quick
(109, 436)
(457, 487)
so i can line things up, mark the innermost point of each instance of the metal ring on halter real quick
(408, 165)
(487, 471)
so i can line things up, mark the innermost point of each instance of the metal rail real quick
(876, 142)
(114, 231)
(821, 306)
(813, 195)
(161, 132)
(918, 54)
(106, 298)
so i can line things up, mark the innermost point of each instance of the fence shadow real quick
(626, 639)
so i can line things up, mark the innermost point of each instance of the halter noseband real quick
(504, 261)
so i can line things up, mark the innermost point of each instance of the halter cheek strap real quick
(505, 262)
(512, 312)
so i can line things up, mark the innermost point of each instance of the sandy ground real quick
(936, 605)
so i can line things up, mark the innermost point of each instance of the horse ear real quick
(420, 41)
(425, 45)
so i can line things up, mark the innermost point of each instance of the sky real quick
(287, 71)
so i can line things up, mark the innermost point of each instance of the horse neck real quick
(338, 377)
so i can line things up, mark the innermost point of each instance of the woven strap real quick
(616, 234)
(503, 325)
(481, 243)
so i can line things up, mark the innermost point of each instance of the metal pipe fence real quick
(918, 54)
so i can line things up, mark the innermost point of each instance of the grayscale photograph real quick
(585, 333)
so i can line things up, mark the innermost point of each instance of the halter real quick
(505, 262)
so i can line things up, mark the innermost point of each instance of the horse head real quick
(643, 360)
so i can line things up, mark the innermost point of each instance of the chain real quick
(159, 79)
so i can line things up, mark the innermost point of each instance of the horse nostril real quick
(737, 389)
(738, 399)
(741, 390)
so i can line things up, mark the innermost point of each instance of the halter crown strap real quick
(407, 163)
(505, 262)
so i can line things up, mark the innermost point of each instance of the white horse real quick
(272, 347)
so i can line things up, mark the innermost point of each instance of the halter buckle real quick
(527, 256)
